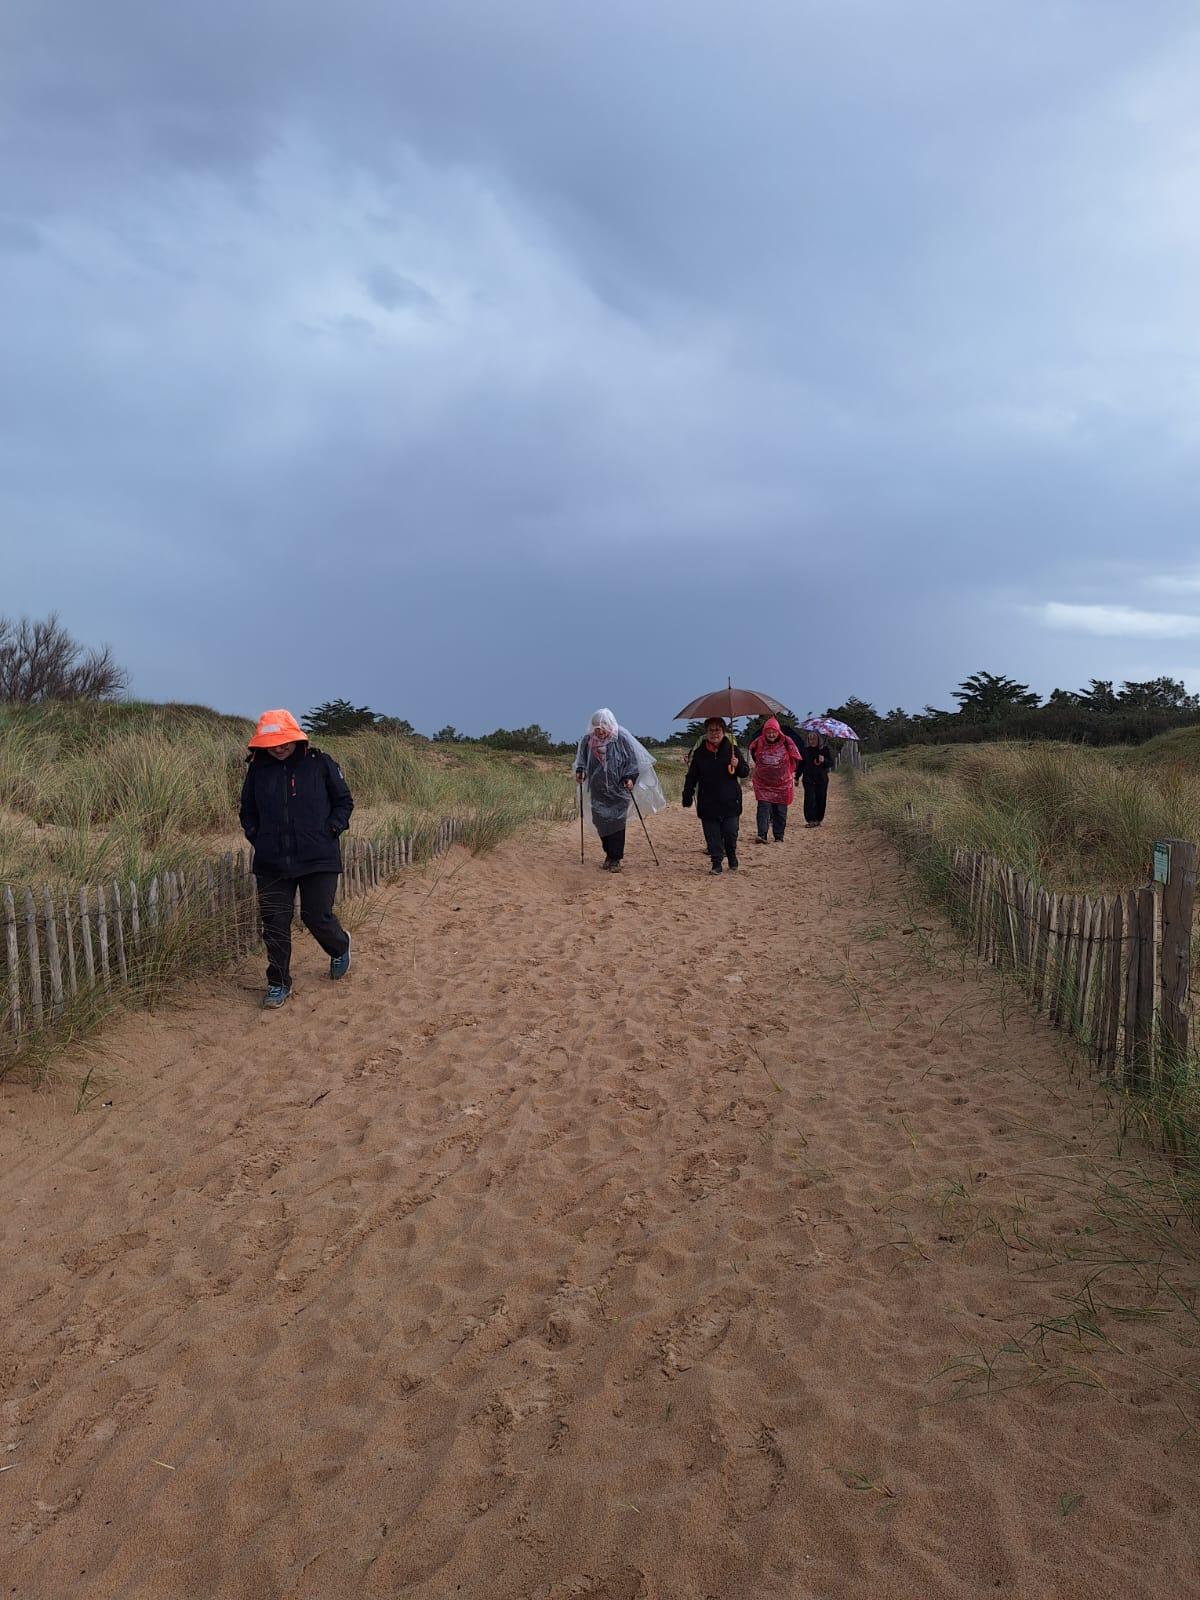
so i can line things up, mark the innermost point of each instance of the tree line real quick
(40, 662)
(992, 705)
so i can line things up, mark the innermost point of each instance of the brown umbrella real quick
(729, 703)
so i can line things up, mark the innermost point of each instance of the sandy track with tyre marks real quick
(590, 1239)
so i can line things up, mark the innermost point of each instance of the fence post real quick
(72, 975)
(1114, 993)
(1147, 966)
(14, 959)
(85, 934)
(34, 954)
(1025, 925)
(1010, 915)
(1040, 912)
(1179, 898)
(971, 920)
(53, 959)
(1085, 994)
(1059, 915)
(102, 930)
(118, 916)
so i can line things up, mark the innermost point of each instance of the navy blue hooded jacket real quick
(293, 812)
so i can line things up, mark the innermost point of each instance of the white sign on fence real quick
(1162, 861)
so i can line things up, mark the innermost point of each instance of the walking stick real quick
(580, 788)
(645, 829)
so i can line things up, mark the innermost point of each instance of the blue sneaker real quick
(276, 994)
(339, 966)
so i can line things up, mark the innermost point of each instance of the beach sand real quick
(598, 1236)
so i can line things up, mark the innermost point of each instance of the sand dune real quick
(597, 1237)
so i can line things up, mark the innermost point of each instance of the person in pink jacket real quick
(774, 778)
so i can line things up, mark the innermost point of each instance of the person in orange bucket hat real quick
(296, 804)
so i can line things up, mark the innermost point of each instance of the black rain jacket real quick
(293, 811)
(720, 793)
(815, 765)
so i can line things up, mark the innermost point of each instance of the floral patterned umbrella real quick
(830, 726)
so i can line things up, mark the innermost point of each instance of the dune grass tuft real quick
(1077, 819)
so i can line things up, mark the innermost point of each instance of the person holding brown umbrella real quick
(714, 780)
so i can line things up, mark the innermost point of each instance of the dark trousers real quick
(614, 845)
(721, 836)
(771, 814)
(276, 904)
(815, 791)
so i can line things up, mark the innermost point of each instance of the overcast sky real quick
(489, 360)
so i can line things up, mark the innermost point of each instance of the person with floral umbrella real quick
(816, 763)
(714, 779)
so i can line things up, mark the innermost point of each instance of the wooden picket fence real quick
(1113, 970)
(65, 946)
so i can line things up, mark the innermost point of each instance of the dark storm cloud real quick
(500, 349)
(393, 291)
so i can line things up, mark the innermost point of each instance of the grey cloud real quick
(18, 237)
(508, 322)
(394, 292)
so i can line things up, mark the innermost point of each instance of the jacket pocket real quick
(313, 844)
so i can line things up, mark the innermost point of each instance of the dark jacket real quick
(815, 765)
(293, 811)
(720, 793)
(797, 738)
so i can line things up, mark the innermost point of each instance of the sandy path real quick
(591, 1239)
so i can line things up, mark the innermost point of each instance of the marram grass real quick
(94, 793)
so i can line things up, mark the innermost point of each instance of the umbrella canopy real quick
(830, 726)
(729, 703)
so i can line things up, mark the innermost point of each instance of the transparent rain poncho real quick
(607, 755)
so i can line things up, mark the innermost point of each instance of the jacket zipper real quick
(289, 784)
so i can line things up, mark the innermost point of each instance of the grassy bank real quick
(1075, 818)
(104, 791)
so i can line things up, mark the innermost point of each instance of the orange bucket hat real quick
(276, 727)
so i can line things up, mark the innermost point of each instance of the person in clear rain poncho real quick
(612, 766)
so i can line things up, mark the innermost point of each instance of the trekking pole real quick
(645, 829)
(580, 788)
